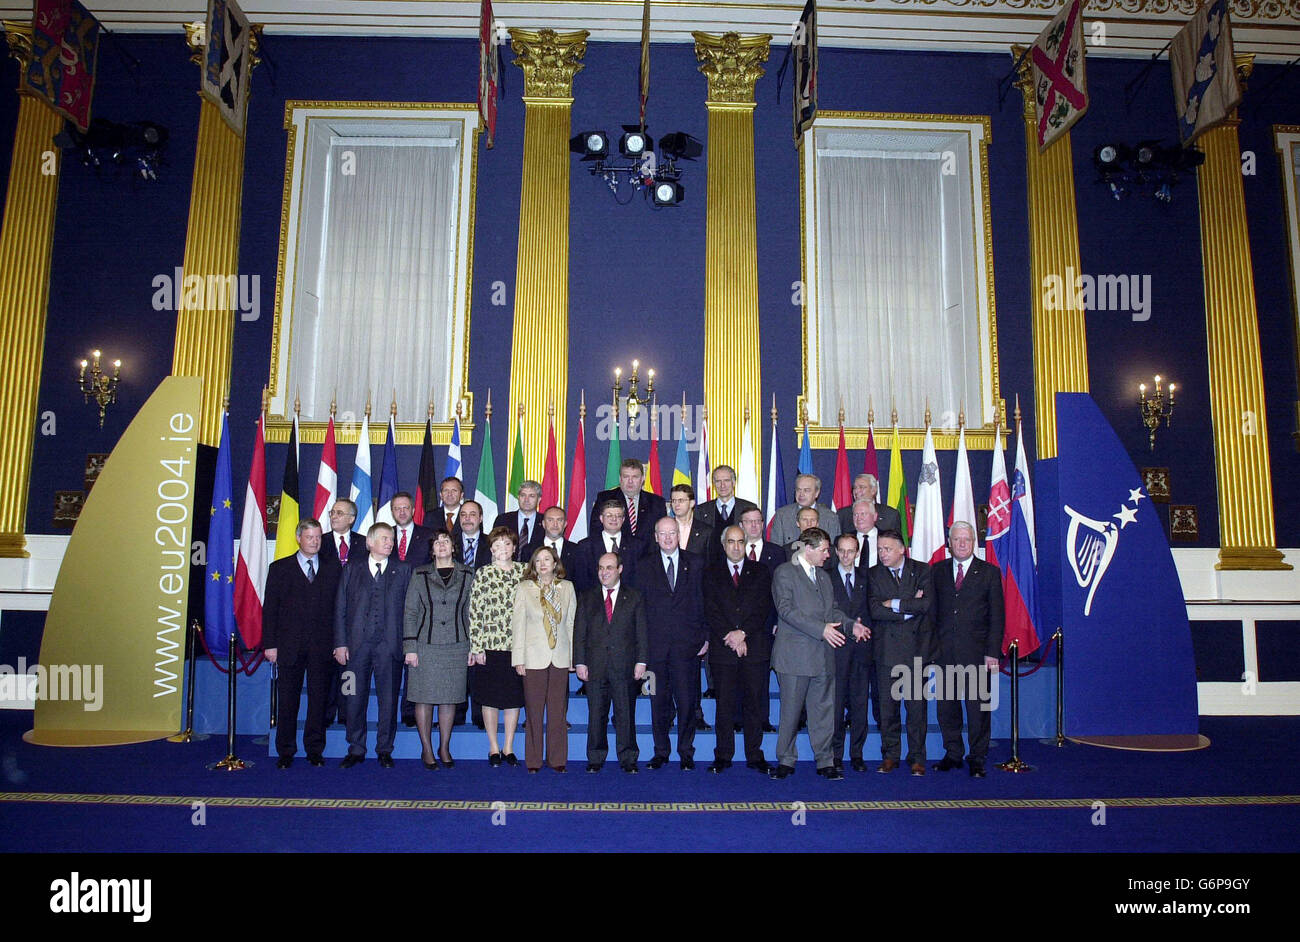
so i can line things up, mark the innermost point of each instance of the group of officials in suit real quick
(830, 602)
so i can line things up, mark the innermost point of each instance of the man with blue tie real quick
(853, 665)
(471, 548)
(726, 508)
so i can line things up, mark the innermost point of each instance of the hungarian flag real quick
(653, 476)
(489, 75)
(703, 483)
(388, 476)
(219, 581)
(1060, 83)
(286, 540)
(927, 535)
(550, 473)
(842, 495)
(963, 495)
(775, 475)
(485, 485)
(361, 492)
(327, 478)
(898, 489)
(576, 506)
(1020, 572)
(747, 474)
(61, 66)
(645, 59)
(250, 569)
(426, 485)
(516, 468)
(1206, 89)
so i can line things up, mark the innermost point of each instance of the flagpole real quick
(1014, 764)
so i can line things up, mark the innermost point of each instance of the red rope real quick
(1046, 651)
(249, 661)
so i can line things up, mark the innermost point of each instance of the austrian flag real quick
(1060, 85)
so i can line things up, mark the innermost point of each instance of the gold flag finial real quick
(871, 413)
(392, 409)
(582, 404)
(773, 409)
(367, 403)
(1017, 409)
(297, 403)
(334, 402)
(266, 399)
(487, 410)
(927, 411)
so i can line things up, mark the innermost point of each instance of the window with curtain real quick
(897, 306)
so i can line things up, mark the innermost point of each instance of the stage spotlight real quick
(668, 193)
(593, 145)
(680, 145)
(1146, 153)
(633, 143)
(1108, 157)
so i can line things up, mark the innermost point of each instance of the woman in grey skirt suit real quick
(436, 645)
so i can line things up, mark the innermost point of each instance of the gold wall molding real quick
(1247, 539)
(540, 334)
(26, 245)
(1060, 341)
(732, 384)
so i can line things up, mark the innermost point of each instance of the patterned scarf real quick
(551, 611)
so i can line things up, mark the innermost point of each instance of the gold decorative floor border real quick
(647, 807)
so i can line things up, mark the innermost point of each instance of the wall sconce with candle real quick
(101, 387)
(634, 403)
(1155, 408)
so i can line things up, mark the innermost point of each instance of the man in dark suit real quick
(725, 509)
(758, 547)
(969, 618)
(469, 543)
(853, 663)
(368, 615)
(671, 581)
(340, 544)
(862, 526)
(641, 508)
(410, 539)
(866, 487)
(610, 537)
(452, 492)
(693, 534)
(738, 611)
(785, 525)
(553, 524)
(610, 651)
(297, 637)
(526, 521)
(899, 594)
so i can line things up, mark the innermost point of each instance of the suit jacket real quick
(536, 535)
(568, 559)
(886, 519)
(968, 622)
(674, 617)
(881, 587)
(747, 608)
(785, 527)
(349, 606)
(587, 553)
(773, 556)
(707, 512)
(854, 605)
(611, 649)
(702, 541)
(438, 520)
(803, 611)
(530, 646)
(418, 547)
(649, 508)
(297, 615)
(329, 546)
(482, 550)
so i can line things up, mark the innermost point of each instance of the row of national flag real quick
(1205, 84)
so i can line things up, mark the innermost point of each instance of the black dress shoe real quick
(688, 765)
(738, 727)
(510, 759)
(631, 769)
(769, 728)
(838, 763)
(976, 769)
(581, 691)
(701, 725)
(351, 759)
(386, 760)
(832, 773)
(781, 771)
(710, 694)
(593, 767)
(858, 765)
(494, 759)
(759, 765)
(946, 764)
(719, 766)
(658, 762)
(316, 759)
(284, 762)
(408, 722)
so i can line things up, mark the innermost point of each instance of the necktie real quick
(401, 547)
(724, 511)
(451, 522)
(672, 576)
(523, 538)
(343, 549)
(379, 570)
(311, 570)
(613, 544)
(631, 515)
(961, 575)
(735, 575)
(609, 605)
(470, 554)
(848, 584)
(896, 574)
(751, 553)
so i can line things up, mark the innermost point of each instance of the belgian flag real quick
(286, 542)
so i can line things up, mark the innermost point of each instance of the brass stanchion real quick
(1060, 687)
(188, 734)
(231, 763)
(1014, 764)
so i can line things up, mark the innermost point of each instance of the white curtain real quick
(386, 279)
(893, 317)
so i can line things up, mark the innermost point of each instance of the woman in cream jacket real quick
(542, 654)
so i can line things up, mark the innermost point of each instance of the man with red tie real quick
(340, 544)
(642, 509)
(412, 540)
(452, 492)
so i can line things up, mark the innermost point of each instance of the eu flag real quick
(219, 586)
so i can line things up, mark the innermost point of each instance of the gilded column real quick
(539, 351)
(26, 241)
(205, 330)
(732, 377)
(1060, 337)
(1246, 536)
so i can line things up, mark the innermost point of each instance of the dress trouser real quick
(289, 681)
(743, 682)
(895, 644)
(677, 683)
(853, 682)
(818, 693)
(621, 689)
(948, 709)
(546, 692)
(383, 663)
